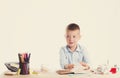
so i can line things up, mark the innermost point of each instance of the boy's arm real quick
(85, 59)
(85, 56)
(63, 58)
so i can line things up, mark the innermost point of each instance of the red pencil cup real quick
(24, 68)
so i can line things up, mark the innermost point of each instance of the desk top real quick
(55, 75)
(41, 75)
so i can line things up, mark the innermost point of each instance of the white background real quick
(38, 27)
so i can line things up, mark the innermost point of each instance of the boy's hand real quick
(85, 65)
(69, 66)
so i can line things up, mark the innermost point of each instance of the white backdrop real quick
(38, 27)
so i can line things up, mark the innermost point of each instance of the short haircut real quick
(73, 26)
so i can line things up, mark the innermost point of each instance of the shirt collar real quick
(77, 49)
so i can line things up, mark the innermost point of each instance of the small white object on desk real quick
(9, 73)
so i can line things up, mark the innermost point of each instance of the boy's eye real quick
(67, 36)
(73, 36)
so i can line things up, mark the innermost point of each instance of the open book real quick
(76, 70)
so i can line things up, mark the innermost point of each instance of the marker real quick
(18, 72)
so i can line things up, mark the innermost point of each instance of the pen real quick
(29, 57)
(22, 59)
(70, 73)
(19, 57)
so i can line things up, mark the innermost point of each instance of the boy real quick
(73, 53)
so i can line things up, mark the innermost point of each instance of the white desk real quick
(55, 75)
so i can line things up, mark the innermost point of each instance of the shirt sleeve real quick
(63, 58)
(85, 55)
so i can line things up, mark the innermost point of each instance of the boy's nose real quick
(70, 39)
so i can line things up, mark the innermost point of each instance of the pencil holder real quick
(24, 60)
(24, 68)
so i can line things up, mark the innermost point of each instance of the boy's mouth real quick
(70, 42)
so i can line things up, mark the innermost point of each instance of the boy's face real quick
(72, 37)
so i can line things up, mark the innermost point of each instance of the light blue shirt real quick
(68, 57)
